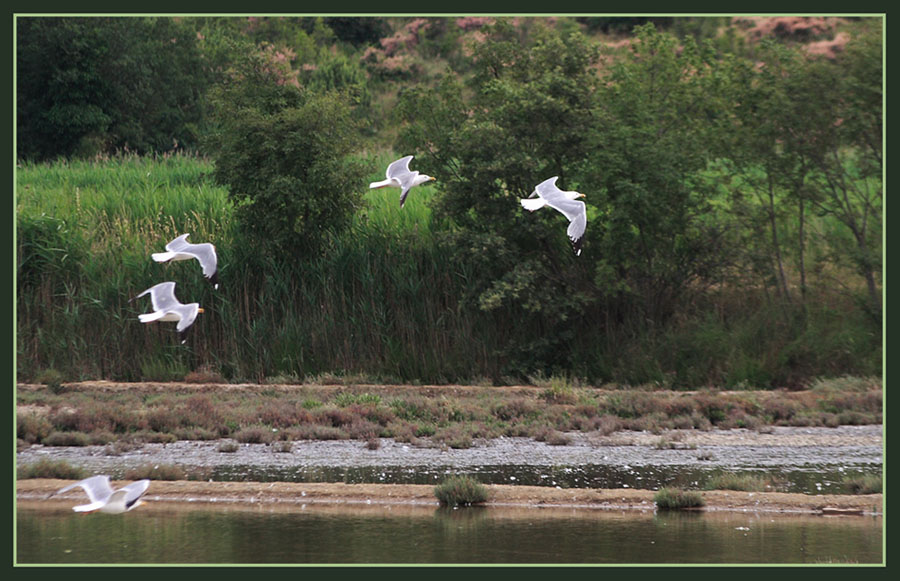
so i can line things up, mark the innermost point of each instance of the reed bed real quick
(381, 301)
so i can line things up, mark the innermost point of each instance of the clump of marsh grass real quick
(864, 484)
(559, 392)
(742, 482)
(67, 439)
(254, 435)
(460, 491)
(46, 468)
(674, 499)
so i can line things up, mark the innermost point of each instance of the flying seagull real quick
(104, 498)
(181, 249)
(564, 202)
(167, 308)
(399, 176)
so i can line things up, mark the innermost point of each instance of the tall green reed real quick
(382, 300)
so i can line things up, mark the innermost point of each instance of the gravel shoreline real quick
(782, 447)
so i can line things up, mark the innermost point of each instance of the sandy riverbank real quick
(292, 496)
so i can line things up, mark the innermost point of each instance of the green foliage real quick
(864, 484)
(490, 150)
(97, 85)
(283, 152)
(744, 482)
(674, 499)
(702, 170)
(658, 108)
(460, 491)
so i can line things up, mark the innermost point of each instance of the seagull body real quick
(181, 249)
(167, 308)
(105, 499)
(547, 194)
(399, 176)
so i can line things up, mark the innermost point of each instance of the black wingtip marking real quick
(576, 245)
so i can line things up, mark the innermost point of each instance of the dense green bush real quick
(284, 153)
(460, 491)
(674, 499)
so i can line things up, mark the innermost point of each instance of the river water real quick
(420, 535)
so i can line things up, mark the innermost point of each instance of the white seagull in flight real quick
(167, 308)
(399, 176)
(564, 202)
(181, 249)
(105, 499)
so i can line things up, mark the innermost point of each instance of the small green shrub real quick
(150, 437)
(460, 491)
(455, 435)
(254, 435)
(674, 499)
(311, 404)
(52, 379)
(228, 446)
(33, 428)
(67, 439)
(46, 468)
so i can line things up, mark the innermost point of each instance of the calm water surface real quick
(425, 535)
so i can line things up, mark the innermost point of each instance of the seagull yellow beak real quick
(581, 195)
(200, 310)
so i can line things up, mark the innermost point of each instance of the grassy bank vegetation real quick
(315, 412)
(382, 301)
(734, 210)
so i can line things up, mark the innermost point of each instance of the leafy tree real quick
(659, 233)
(92, 85)
(526, 120)
(846, 152)
(283, 151)
(806, 141)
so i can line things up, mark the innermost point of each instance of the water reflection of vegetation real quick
(471, 535)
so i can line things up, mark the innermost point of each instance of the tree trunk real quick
(779, 266)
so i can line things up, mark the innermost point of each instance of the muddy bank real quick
(294, 496)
